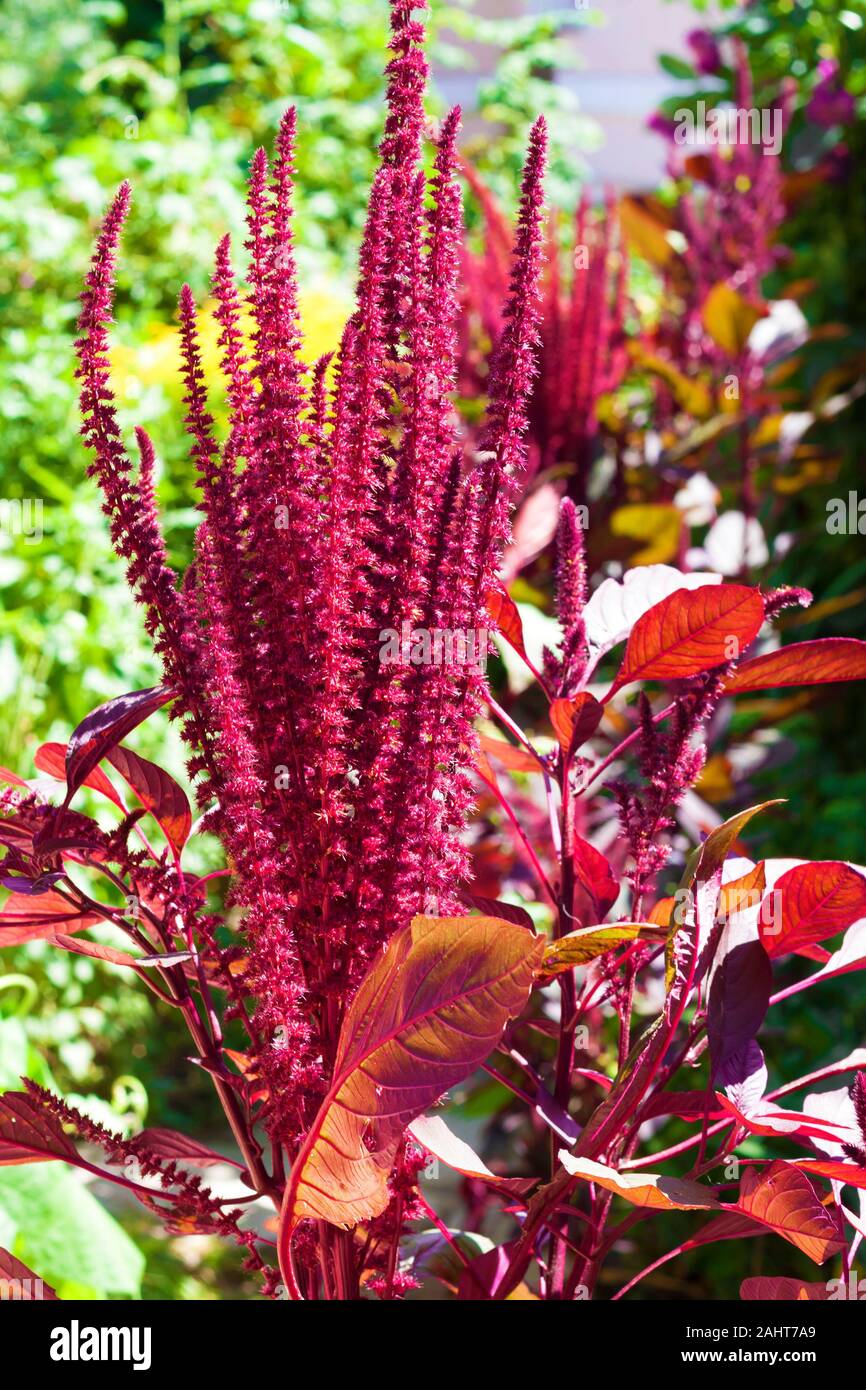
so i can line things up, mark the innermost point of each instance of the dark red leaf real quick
(595, 876)
(107, 726)
(28, 1134)
(175, 1147)
(158, 792)
(574, 721)
(20, 1284)
(821, 662)
(506, 617)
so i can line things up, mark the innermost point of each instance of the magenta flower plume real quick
(338, 516)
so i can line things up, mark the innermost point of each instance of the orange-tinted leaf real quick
(784, 1199)
(729, 318)
(157, 792)
(778, 1289)
(661, 912)
(574, 721)
(742, 893)
(822, 662)
(51, 759)
(427, 1014)
(27, 918)
(817, 901)
(505, 616)
(514, 758)
(641, 1189)
(579, 947)
(690, 632)
(708, 857)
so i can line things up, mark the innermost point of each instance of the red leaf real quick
(778, 1289)
(26, 918)
(817, 900)
(20, 1284)
(821, 662)
(28, 1134)
(574, 721)
(514, 758)
(95, 950)
(51, 758)
(690, 632)
(835, 1170)
(595, 876)
(504, 614)
(105, 727)
(769, 1120)
(7, 776)
(157, 792)
(427, 1014)
(782, 1198)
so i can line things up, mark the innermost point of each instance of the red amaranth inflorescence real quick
(337, 509)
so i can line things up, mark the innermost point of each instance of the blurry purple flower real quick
(830, 103)
(661, 124)
(707, 56)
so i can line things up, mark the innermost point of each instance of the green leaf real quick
(62, 1231)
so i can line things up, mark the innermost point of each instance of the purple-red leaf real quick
(175, 1147)
(433, 1134)
(506, 912)
(106, 726)
(157, 792)
(690, 632)
(28, 1134)
(739, 999)
(765, 1288)
(27, 918)
(20, 1284)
